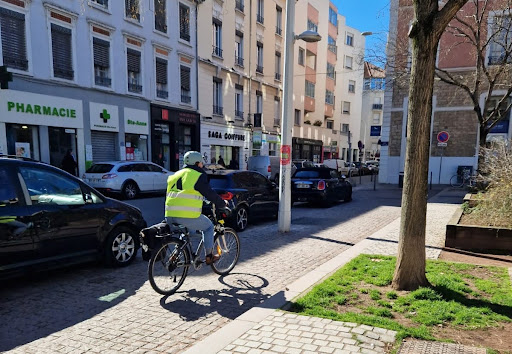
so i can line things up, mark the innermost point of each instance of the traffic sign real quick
(443, 137)
(442, 144)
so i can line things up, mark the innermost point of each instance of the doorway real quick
(161, 150)
(61, 140)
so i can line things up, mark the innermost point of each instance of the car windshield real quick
(219, 182)
(307, 174)
(100, 168)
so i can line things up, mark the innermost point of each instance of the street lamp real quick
(285, 212)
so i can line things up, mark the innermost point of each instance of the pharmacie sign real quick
(104, 117)
(35, 109)
(136, 121)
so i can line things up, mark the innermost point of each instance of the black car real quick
(250, 194)
(49, 218)
(320, 185)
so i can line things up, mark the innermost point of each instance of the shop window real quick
(62, 52)
(161, 78)
(272, 149)
(61, 140)
(101, 51)
(184, 141)
(160, 16)
(136, 147)
(23, 141)
(134, 72)
(14, 45)
(185, 22)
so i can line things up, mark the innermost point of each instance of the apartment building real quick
(328, 82)
(110, 80)
(240, 74)
(371, 117)
(452, 108)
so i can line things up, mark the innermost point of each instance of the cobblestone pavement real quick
(414, 346)
(93, 309)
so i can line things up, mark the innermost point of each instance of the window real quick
(333, 17)
(62, 52)
(132, 9)
(297, 117)
(185, 84)
(330, 124)
(330, 71)
(350, 39)
(48, 187)
(14, 44)
(217, 97)
(348, 62)
(217, 38)
(312, 26)
(239, 5)
(259, 109)
(101, 51)
(161, 78)
(351, 86)
(102, 3)
(329, 97)
(344, 129)
(279, 20)
(161, 16)
(311, 60)
(331, 44)
(310, 89)
(239, 102)
(277, 111)
(375, 84)
(278, 66)
(346, 107)
(185, 22)
(239, 49)
(501, 41)
(259, 56)
(376, 118)
(301, 56)
(259, 12)
(8, 190)
(134, 72)
(367, 84)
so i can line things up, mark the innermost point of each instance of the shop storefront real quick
(136, 128)
(224, 145)
(331, 152)
(307, 149)
(104, 120)
(40, 127)
(265, 144)
(173, 133)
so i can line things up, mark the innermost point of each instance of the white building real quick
(371, 117)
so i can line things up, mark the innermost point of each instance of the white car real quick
(128, 178)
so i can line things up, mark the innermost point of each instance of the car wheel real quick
(121, 247)
(130, 190)
(241, 218)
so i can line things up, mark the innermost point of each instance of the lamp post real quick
(285, 212)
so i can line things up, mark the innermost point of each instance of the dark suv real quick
(49, 218)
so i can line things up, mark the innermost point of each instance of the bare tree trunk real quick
(411, 262)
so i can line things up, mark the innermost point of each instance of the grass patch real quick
(462, 297)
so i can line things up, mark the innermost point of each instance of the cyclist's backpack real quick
(151, 238)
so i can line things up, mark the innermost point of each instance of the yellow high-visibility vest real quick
(185, 202)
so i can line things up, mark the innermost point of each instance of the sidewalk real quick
(267, 329)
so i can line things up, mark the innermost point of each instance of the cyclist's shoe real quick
(211, 258)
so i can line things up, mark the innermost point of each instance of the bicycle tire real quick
(454, 181)
(158, 268)
(229, 246)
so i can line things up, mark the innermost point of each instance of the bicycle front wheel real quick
(228, 247)
(168, 267)
(456, 182)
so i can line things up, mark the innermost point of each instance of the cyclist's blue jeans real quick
(200, 223)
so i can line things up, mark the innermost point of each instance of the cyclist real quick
(184, 201)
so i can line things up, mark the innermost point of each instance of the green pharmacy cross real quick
(105, 116)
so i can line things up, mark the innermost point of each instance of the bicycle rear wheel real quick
(168, 267)
(456, 182)
(228, 247)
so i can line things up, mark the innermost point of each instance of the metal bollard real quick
(374, 181)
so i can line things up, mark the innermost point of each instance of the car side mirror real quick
(88, 199)
(273, 184)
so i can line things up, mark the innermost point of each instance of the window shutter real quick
(133, 60)
(161, 71)
(184, 23)
(14, 46)
(185, 78)
(61, 50)
(101, 50)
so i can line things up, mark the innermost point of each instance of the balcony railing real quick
(259, 18)
(162, 94)
(259, 69)
(185, 36)
(333, 48)
(277, 122)
(134, 88)
(102, 81)
(218, 110)
(377, 106)
(277, 77)
(279, 31)
(239, 4)
(239, 114)
(217, 51)
(186, 98)
(239, 61)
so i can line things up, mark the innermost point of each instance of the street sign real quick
(443, 137)
(442, 144)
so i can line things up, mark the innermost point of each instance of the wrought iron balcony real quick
(162, 94)
(239, 61)
(217, 51)
(185, 36)
(259, 18)
(102, 81)
(279, 31)
(278, 77)
(186, 98)
(239, 114)
(134, 88)
(259, 69)
(218, 110)
(239, 4)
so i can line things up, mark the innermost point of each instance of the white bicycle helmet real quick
(192, 157)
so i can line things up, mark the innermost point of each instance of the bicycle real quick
(168, 266)
(463, 179)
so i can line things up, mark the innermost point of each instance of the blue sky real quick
(367, 15)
